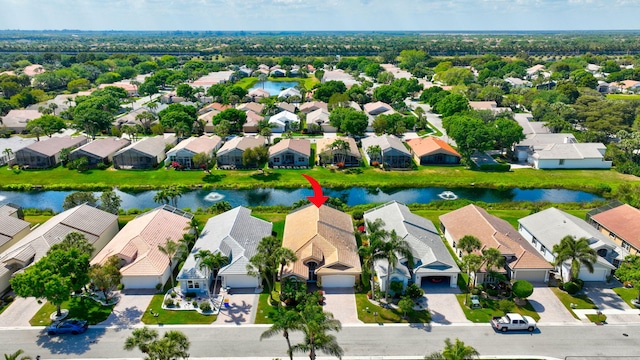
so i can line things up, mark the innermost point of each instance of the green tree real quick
(146, 118)
(16, 356)
(522, 289)
(106, 277)
(185, 91)
(325, 90)
(469, 244)
(493, 259)
(173, 344)
(78, 198)
(74, 240)
(454, 351)
(577, 252)
(629, 271)
(315, 325)
(110, 201)
(171, 249)
(405, 304)
(451, 104)
(471, 263)
(213, 262)
(50, 124)
(264, 263)
(355, 123)
(255, 157)
(508, 133)
(394, 249)
(235, 118)
(373, 250)
(283, 320)
(375, 153)
(36, 131)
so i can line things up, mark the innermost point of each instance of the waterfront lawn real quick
(579, 301)
(438, 176)
(173, 316)
(80, 308)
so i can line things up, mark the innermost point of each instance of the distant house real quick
(14, 144)
(251, 126)
(280, 121)
(34, 69)
(99, 151)
(171, 98)
(522, 261)
(339, 75)
(620, 224)
(143, 264)
(539, 141)
(433, 151)
(377, 108)
(257, 94)
(230, 154)
(320, 117)
(46, 153)
(183, 152)
(278, 72)
(571, 156)
(285, 106)
(287, 93)
(393, 152)
(144, 154)
(333, 156)
(207, 118)
(546, 228)
(517, 82)
(234, 234)
(290, 152)
(131, 89)
(97, 226)
(16, 120)
(324, 243)
(251, 106)
(529, 126)
(130, 118)
(487, 105)
(432, 260)
(218, 77)
(12, 226)
(313, 106)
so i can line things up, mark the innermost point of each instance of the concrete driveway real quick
(242, 307)
(612, 305)
(549, 307)
(341, 302)
(129, 310)
(20, 312)
(443, 305)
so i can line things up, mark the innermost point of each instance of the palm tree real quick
(173, 344)
(215, 263)
(171, 249)
(37, 132)
(8, 152)
(262, 78)
(471, 263)
(315, 325)
(16, 356)
(469, 244)
(340, 148)
(373, 251)
(394, 248)
(161, 197)
(375, 153)
(493, 258)
(284, 256)
(457, 351)
(194, 225)
(141, 338)
(284, 320)
(578, 252)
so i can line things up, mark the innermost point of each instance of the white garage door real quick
(240, 281)
(338, 281)
(139, 282)
(597, 275)
(531, 276)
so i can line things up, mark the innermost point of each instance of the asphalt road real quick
(363, 341)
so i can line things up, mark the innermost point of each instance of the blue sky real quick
(277, 15)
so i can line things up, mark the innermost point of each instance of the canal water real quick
(270, 197)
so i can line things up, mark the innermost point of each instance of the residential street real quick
(359, 341)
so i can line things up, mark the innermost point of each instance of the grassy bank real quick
(434, 176)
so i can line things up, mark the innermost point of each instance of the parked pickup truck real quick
(513, 321)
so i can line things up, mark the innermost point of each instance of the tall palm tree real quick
(578, 253)
(141, 338)
(212, 262)
(493, 258)
(194, 225)
(315, 325)
(375, 153)
(394, 249)
(171, 249)
(372, 252)
(8, 152)
(284, 256)
(471, 263)
(457, 351)
(161, 197)
(16, 356)
(284, 320)
(469, 244)
(339, 148)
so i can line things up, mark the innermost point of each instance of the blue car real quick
(69, 326)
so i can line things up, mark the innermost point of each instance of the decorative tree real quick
(522, 289)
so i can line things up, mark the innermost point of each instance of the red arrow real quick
(317, 199)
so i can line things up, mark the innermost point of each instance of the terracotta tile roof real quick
(313, 105)
(138, 241)
(252, 106)
(259, 93)
(202, 144)
(301, 146)
(624, 221)
(493, 232)
(325, 235)
(242, 143)
(103, 147)
(430, 145)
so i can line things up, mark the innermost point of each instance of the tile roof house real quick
(183, 152)
(99, 151)
(230, 154)
(324, 243)
(394, 154)
(339, 75)
(257, 94)
(46, 153)
(327, 155)
(622, 225)
(432, 259)
(547, 228)
(431, 150)
(144, 154)
(143, 264)
(377, 108)
(281, 121)
(313, 106)
(16, 120)
(14, 143)
(207, 117)
(218, 77)
(12, 227)
(131, 89)
(251, 106)
(529, 126)
(290, 152)
(285, 106)
(235, 234)
(571, 156)
(130, 118)
(97, 226)
(251, 125)
(321, 118)
(522, 261)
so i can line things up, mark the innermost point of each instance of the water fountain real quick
(447, 195)
(214, 196)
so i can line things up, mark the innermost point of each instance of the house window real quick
(197, 285)
(612, 235)
(534, 241)
(543, 250)
(190, 284)
(625, 245)
(276, 159)
(561, 162)
(602, 252)
(300, 159)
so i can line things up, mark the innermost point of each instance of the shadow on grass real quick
(70, 344)
(211, 178)
(266, 177)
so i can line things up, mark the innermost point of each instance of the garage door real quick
(338, 281)
(597, 275)
(427, 281)
(240, 281)
(531, 276)
(139, 282)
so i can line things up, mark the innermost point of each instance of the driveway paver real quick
(241, 310)
(549, 307)
(342, 304)
(612, 305)
(20, 312)
(443, 305)
(129, 310)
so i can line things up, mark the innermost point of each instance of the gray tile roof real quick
(234, 233)
(386, 143)
(103, 147)
(16, 143)
(52, 146)
(151, 146)
(10, 227)
(429, 251)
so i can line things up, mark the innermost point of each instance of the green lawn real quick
(627, 295)
(490, 309)
(263, 310)
(173, 316)
(81, 308)
(580, 301)
(387, 315)
(623, 97)
(61, 178)
(246, 83)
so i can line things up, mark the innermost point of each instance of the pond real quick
(274, 87)
(270, 197)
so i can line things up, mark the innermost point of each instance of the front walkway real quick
(20, 312)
